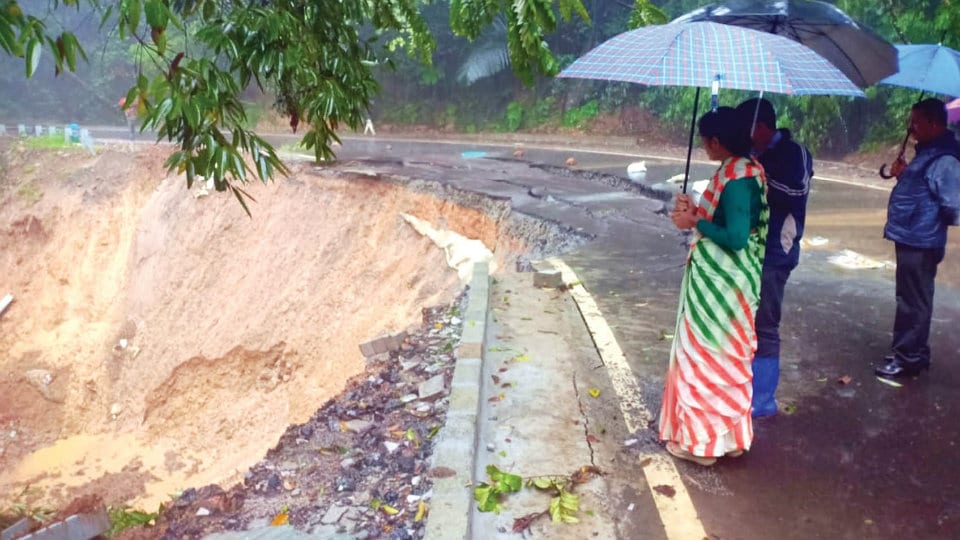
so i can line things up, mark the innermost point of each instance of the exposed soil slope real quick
(160, 341)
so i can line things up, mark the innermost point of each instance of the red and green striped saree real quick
(706, 401)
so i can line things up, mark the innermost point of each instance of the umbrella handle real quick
(883, 172)
(903, 147)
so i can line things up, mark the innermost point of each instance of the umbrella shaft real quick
(693, 125)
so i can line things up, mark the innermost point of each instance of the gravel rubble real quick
(359, 468)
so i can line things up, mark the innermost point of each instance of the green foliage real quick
(430, 75)
(564, 504)
(123, 518)
(407, 114)
(316, 57)
(579, 117)
(488, 496)
(528, 23)
(47, 141)
(25, 36)
(644, 14)
(514, 116)
(543, 111)
(22, 507)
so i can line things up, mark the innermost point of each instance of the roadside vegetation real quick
(199, 71)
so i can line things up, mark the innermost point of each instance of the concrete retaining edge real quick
(456, 448)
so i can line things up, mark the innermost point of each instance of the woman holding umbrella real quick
(706, 402)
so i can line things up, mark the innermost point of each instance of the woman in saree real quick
(706, 401)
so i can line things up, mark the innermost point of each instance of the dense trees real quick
(317, 57)
(459, 63)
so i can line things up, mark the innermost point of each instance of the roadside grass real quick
(124, 517)
(47, 141)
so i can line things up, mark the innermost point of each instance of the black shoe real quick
(900, 368)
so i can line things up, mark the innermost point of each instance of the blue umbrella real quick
(700, 53)
(928, 68)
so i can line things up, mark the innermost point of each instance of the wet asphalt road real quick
(862, 460)
(858, 461)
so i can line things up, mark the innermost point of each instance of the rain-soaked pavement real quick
(863, 460)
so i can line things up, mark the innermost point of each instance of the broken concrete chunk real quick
(333, 514)
(358, 425)
(383, 343)
(547, 279)
(431, 387)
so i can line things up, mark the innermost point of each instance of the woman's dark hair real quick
(729, 128)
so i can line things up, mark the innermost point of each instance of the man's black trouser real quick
(916, 271)
(773, 283)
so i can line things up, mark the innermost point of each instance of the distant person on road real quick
(706, 400)
(368, 127)
(130, 113)
(789, 167)
(923, 203)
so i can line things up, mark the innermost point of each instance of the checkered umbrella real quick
(694, 54)
(699, 53)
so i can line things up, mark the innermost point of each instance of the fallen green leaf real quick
(894, 384)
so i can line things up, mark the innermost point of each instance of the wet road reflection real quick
(853, 218)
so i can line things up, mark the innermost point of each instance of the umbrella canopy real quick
(862, 55)
(700, 53)
(695, 54)
(931, 68)
(953, 111)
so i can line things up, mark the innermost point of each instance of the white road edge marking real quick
(677, 513)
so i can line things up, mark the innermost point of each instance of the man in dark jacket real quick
(923, 203)
(789, 167)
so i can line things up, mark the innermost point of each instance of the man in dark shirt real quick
(789, 168)
(923, 203)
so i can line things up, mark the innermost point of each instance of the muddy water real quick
(852, 217)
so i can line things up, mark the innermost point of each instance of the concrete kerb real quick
(456, 450)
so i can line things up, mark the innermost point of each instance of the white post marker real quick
(5, 303)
